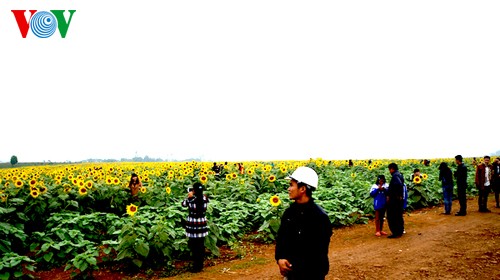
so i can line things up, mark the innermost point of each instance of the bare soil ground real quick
(435, 246)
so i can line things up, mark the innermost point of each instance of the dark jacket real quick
(461, 176)
(396, 188)
(446, 177)
(496, 173)
(303, 239)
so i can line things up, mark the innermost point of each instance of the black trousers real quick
(395, 217)
(462, 199)
(197, 248)
(483, 197)
(496, 188)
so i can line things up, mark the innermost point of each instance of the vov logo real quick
(43, 24)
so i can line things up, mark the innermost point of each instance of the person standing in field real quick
(134, 185)
(196, 224)
(446, 178)
(484, 174)
(496, 180)
(304, 234)
(461, 177)
(379, 193)
(395, 202)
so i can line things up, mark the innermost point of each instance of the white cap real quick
(305, 175)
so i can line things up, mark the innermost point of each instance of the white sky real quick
(252, 80)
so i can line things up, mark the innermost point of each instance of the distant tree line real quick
(139, 159)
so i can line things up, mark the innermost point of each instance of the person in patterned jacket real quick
(196, 224)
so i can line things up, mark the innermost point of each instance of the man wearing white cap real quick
(304, 234)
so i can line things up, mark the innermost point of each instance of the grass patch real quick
(252, 262)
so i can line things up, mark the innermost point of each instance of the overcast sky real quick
(252, 80)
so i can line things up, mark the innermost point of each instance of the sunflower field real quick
(81, 216)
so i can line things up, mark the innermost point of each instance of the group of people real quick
(303, 237)
(392, 197)
(486, 179)
(304, 234)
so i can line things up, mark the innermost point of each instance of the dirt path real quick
(434, 247)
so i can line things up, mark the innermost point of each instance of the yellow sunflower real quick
(19, 183)
(82, 191)
(35, 193)
(250, 172)
(43, 189)
(353, 175)
(143, 189)
(89, 184)
(131, 209)
(228, 177)
(272, 178)
(275, 200)
(203, 179)
(417, 180)
(168, 190)
(32, 182)
(425, 176)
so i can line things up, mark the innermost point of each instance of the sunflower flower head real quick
(275, 200)
(89, 184)
(168, 190)
(425, 176)
(34, 193)
(272, 178)
(82, 191)
(143, 190)
(203, 179)
(417, 180)
(131, 209)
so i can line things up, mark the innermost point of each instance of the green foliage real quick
(12, 264)
(62, 227)
(13, 160)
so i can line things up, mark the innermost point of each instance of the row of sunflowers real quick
(81, 215)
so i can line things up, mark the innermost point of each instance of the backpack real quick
(405, 196)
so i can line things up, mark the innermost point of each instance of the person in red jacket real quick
(484, 174)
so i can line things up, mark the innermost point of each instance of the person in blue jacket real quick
(379, 193)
